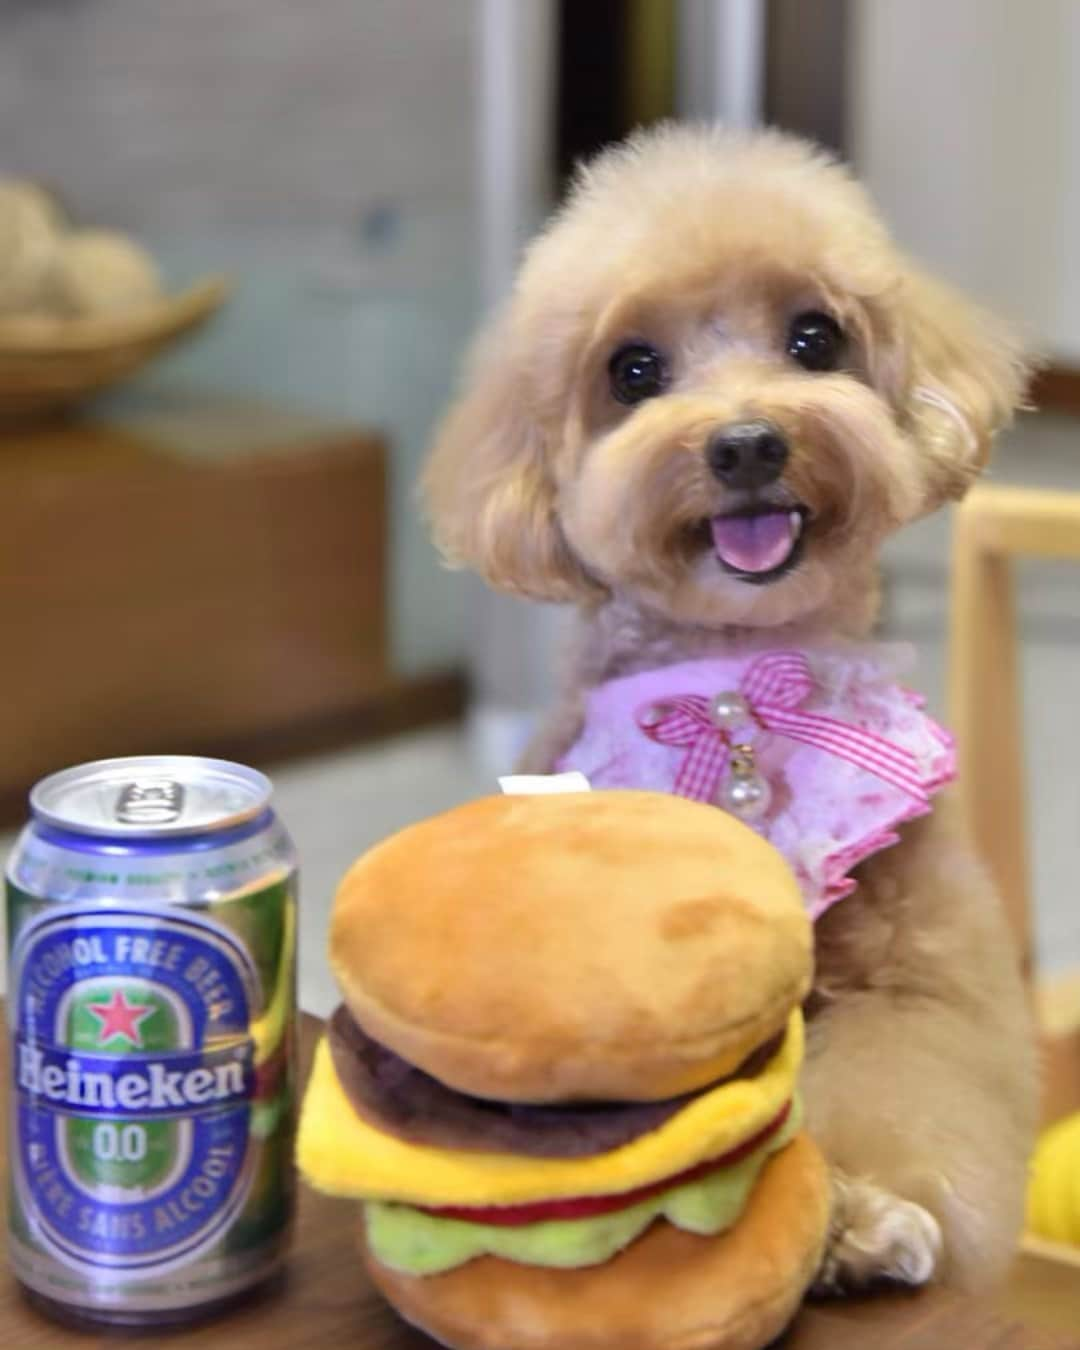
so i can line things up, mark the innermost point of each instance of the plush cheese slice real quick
(342, 1154)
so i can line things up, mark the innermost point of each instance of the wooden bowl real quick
(49, 363)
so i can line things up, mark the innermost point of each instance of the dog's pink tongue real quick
(754, 543)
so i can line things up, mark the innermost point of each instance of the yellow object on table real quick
(1053, 1204)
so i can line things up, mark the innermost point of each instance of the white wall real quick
(966, 126)
(1068, 307)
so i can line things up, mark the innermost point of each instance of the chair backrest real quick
(994, 526)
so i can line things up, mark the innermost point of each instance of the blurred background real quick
(211, 541)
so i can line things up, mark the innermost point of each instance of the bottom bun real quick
(669, 1290)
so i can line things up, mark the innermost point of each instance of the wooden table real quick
(327, 1302)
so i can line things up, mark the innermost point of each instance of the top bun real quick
(618, 946)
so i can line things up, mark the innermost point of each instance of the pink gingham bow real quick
(774, 687)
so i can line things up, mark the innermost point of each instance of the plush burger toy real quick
(562, 1081)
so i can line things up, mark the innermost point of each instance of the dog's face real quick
(716, 388)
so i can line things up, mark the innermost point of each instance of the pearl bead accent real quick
(745, 793)
(747, 796)
(729, 709)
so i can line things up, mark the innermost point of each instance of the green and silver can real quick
(151, 928)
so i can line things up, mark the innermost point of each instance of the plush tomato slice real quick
(586, 1206)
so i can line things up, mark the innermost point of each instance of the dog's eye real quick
(637, 373)
(816, 341)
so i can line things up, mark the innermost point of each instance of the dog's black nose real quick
(747, 454)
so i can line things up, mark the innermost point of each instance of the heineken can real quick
(151, 927)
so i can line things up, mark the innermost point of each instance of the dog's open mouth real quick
(760, 543)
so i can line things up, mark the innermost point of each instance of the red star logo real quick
(120, 1018)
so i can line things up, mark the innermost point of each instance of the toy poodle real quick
(716, 388)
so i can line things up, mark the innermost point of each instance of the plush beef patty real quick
(402, 1100)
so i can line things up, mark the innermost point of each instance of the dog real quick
(716, 326)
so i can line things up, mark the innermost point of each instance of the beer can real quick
(151, 928)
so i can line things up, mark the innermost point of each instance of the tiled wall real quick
(319, 150)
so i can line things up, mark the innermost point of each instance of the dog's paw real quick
(874, 1238)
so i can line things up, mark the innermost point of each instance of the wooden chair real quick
(994, 526)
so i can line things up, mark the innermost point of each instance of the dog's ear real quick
(488, 484)
(964, 377)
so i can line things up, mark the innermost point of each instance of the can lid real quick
(151, 796)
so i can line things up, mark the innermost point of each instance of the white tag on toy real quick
(533, 784)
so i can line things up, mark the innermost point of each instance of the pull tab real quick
(150, 801)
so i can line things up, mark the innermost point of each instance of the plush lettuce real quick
(417, 1243)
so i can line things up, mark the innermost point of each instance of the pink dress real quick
(847, 752)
